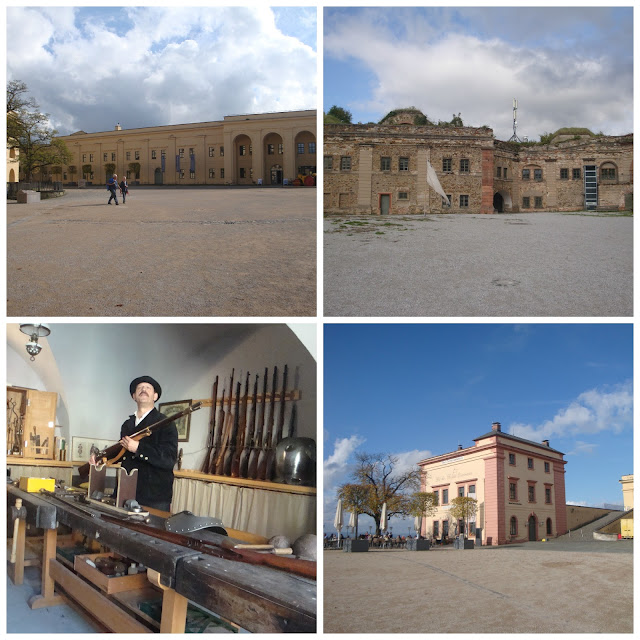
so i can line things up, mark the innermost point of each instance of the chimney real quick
(459, 447)
(118, 127)
(545, 443)
(496, 427)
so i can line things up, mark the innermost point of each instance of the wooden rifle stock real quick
(206, 464)
(231, 447)
(248, 441)
(271, 454)
(223, 547)
(252, 472)
(112, 454)
(242, 427)
(268, 435)
(227, 430)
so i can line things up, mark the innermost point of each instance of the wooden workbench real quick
(258, 599)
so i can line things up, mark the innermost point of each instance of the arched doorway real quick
(275, 174)
(532, 529)
(273, 153)
(305, 153)
(498, 203)
(549, 527)
(243, 159)
(157, 176)
(12, 175)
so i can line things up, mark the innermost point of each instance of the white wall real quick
(96, 362)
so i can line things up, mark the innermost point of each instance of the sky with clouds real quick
(91, 67)
(570, 66)
(420, 390)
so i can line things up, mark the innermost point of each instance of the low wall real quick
(578, 516)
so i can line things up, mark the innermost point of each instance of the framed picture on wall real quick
(182, 424)
(82, 448)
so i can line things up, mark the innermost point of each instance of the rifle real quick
(227, 430)
(248, 439)
(271, 454)
(206, 464)
(231, 448)
(112, 454)
(268, 435)
(257, 442)
(235, 462)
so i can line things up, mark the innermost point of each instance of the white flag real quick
(434, 183)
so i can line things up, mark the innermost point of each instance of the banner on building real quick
(162, 162)
(192, 163)
(178, 163)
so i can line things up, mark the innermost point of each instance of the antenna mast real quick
(514, 137)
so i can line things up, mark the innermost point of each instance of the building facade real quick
(518, 485)
(13, 163)
(238, 150)
(382, 169)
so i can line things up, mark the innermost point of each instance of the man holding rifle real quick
(155, 455)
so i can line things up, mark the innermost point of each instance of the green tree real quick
(463, 508)
(355, 498)
(31, 132)
(378, 473)
(422, 504)
(86, 169)
(342, 115)
(134, 167)
(109, 168)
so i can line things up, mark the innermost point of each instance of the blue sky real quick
(419, 390)
(570, 66)
(91, 67)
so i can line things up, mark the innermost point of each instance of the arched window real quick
(549, 527)
(513, 529)
(608, 172)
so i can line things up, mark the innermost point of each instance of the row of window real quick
(513, 526)
(537, 202)
(531, 491)
(530, 463)
(444, 494)
(445, 528)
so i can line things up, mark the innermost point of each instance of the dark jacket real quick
(154, 459)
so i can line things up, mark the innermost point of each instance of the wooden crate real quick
(106, 583)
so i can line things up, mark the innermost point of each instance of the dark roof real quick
(502, 434)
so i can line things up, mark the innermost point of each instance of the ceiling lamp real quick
(34, 331)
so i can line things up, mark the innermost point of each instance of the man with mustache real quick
(153, 456)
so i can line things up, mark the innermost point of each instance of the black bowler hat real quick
(134, 383)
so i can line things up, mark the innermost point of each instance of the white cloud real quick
(338, 465)
(157, 65)
(592, 412)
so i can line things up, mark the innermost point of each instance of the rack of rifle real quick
(245, 427)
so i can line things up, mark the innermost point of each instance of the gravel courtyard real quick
(519, 589)
(166, 252)
(528, 264)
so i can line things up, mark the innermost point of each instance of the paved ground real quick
(167, 252)
(529, 588)
(531, 264)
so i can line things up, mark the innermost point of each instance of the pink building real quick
(517, 483)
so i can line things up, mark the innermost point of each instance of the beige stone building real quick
(382, 168)
(13, 163)
(627, 491)
(518, 485)
(264, 148)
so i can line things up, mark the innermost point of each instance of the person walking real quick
(124, 189)
(112, 185)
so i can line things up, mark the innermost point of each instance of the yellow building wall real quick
(13, 164)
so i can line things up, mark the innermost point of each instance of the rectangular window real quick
(499, 172)
(242, 172)
(576, 174)
(608, 173)
(212, 150)
(513, 494)
(243, 150)
(128, 155)
(91, 157)
(464, 201)
(526, 174)
(84, 157)
(312, 147)
(385, 163)
(270, 149)
(446, 164)
(532, 493)
(105, 157)
(153, 154)
(300, 148)
(222, 173)
(181, 174)
(181, 153)
(512, 458)
(464, 165)
(526, 202)
(250, 149)
(472, 488)
(192, 175)
(437, 497)
(460, 492)
(564, 174)
(403, 195)
(328, 163)
(445, 496)
(280, 149)
(436, 529)
(529, 463)
(345, 163)
(403, 164)
(190, 151)
(547, 467)
(537, 174)
(212, 173)
(513, 527)
(547, 495)
(504, 173)
(163, 153)
(113, 157)
(445, 528)
(538, 202)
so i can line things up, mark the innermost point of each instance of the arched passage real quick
(305, 149)
(273, 153)
(243, 159)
